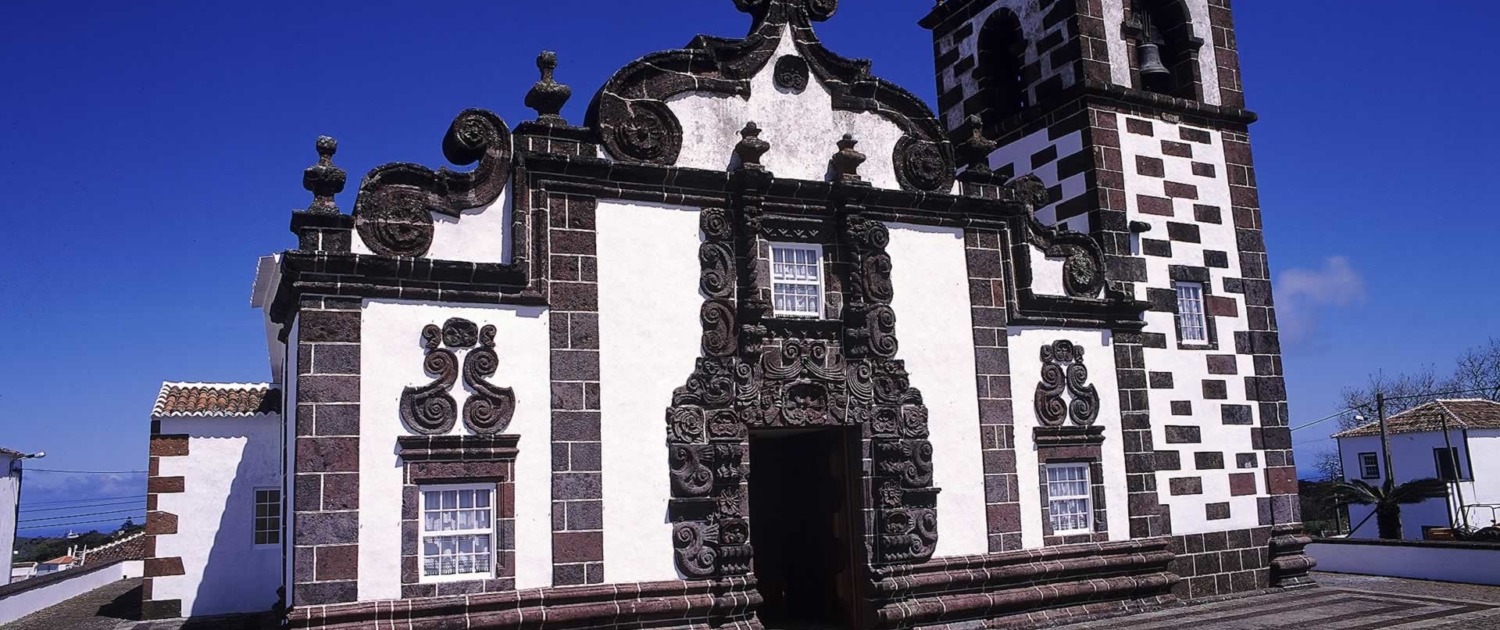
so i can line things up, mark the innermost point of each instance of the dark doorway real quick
(804, 510)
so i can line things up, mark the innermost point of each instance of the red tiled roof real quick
(216, 399)
(61, 560)
(131, 548)
(1470, 413)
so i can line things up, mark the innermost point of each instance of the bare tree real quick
(1478, 372)
(1327, 463)
(1402, 392)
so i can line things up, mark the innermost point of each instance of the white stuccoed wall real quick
(225, 572)
(930, 275)
(1189, 367)
(649, 337)
(803, 129)
(1026, 372)
(392, 360)
(478, 235)
(1484, 455)
(10, 495)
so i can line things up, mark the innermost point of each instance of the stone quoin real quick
(815, 408)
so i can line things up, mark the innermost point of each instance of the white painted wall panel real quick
(930, 276)
(477, 235)
(803, 129)
(1413, 458)
(1026, 372)
(649, 338)
(391, 359)
(1471, 566)
(224, 571)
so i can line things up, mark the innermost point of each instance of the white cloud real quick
(1304, 295)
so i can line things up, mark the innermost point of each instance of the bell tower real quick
(1131, 114)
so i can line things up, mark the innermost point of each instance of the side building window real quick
(797, 280)
(458, 532)
(1369, 466)
(267, 516)
(1449, 468)
(1191, 320)
(1069, 499)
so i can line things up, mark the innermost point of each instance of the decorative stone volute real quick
(847, 161)
(548, 96)
(324, 180)
(751, 147)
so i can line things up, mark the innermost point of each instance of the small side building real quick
(214, 500)
(10, 497)
(1468, 457)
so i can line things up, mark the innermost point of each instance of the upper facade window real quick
(458, 532)
(797, 279)
(1191, 321)
(1449, 467)
(1002, 59)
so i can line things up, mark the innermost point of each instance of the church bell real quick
(1150, 58)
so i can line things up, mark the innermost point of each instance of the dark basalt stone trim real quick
(457, 448)
(1092, 93)
(717, 603)
(1067, 436)
(996, 587)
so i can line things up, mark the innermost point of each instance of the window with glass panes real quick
(458, 532)
(1192, 324)
(267, 516)
(797, 279)
(1068, 498)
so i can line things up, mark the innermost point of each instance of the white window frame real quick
(1189, 318)
(1367, 462)
(817, 253)
(423, 534)
(271, 522)
(1087, 497)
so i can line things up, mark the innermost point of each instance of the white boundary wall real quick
(1471, 564)
(26, 601)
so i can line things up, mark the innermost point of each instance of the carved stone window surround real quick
(456, 460)
(1072, 445)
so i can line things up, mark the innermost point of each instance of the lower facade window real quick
(268, 516)
(458, 532)
(1069, 500)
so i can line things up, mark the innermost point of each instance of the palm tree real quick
(1388, 499)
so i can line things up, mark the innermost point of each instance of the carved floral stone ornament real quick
(431, 410)
(1063, 371)
(791, 73)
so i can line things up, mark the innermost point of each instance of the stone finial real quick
(751, 147)
(846, 162)
(975, 151)
(547, 96)
(324, 180)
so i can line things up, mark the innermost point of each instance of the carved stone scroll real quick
(1063, 371)
(431, 410)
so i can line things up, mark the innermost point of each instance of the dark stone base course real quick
(1020, 588)
(1025, 587)
(1222, 563)
(672, 604)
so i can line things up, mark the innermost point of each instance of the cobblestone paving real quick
(1342, 602)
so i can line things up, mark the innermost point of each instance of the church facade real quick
(765, 340)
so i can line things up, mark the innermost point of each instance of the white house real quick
(1468, 456)
(10, 497)
(767, 340)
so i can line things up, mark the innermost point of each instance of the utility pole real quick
(1385, 442)
(1458, 477)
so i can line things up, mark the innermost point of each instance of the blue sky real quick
(152, 150)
